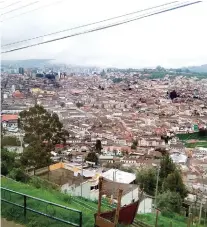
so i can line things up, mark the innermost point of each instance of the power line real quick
(32, 3)
(32, 10)
(102, 28)
(11, 5)
(85, 25)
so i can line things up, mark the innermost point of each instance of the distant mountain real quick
(26, 63)
(198, 69)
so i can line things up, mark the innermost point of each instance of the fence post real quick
(170, 223)
(156, 221)
(25, 206)
(189, 220)
(81, 219)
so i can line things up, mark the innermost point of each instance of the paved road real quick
(5, 223)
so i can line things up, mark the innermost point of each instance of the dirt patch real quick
(5, 223)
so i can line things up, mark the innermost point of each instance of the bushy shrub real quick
(38, 182)
(19, 175)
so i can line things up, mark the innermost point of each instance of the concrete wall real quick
(145, 206)
(76, 191)
(56, 166)
(127, 199)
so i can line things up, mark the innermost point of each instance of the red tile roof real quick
(17, 94)
(9, 117)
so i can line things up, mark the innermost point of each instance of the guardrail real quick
(41, 207)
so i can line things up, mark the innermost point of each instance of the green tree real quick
(146, 178)
(92, 157)
(37, 154)
(18, 174)
(62, 104)
(78, 104)
(166, 167)
(10, 141)
(42, 131)
(174, 183)
(40, 125)
(70, 157)
(98, 146)
(7, 161)
(169, 202)
(134, 144)
(166, 139)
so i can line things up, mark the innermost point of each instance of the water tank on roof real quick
(5, 96)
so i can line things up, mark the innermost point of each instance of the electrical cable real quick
(103, 27)
(85, 25)
(32, 10)
(10, 5)
(32, 3)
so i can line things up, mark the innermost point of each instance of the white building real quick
(179, 158)
(119, 176)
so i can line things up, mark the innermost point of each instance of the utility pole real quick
(200, 213)
(21, 141)
(82, 177)
(158, 173)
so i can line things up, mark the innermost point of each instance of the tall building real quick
(21, 70)
(59, 75)
(13, 88)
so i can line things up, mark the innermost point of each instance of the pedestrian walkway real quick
(5, 223)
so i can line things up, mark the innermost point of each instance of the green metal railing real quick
(40, 207)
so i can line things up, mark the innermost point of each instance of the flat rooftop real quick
(62, 176)
(119, 176)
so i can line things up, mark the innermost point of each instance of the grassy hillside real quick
(88, 208)
(15, 213)
(162, 221)
(191, 136)
(197, 144)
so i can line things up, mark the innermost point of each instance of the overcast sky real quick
(173, 39)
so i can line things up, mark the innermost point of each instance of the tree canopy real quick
(43, 131)
(166, 166)
(7, 161)
(92, 157)
(134, 144)
(146, 178)
(169, 201)
(98, 146)
(9, 141)
(170, 180)
(40, 125)
(174, 183)
(11, 167)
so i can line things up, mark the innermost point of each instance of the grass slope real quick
(16, 213)
(88, 208)
(196, 144)
(162, 221)
(191, 136)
